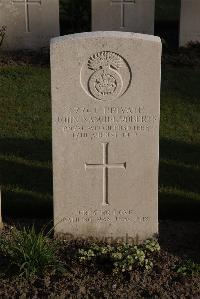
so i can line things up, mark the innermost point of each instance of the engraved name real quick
(105, 122)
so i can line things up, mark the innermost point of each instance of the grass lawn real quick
(25, 142)
(25, 121)
(180, 144)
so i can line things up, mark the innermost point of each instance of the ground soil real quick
(179, 241)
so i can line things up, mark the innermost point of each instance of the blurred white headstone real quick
(30, 24)
(190, 22)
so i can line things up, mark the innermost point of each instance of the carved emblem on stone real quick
(106, 81)
(108, 76)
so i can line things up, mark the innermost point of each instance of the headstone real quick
(106, 99)
(189, 22)
(30, 24)
(123, 15)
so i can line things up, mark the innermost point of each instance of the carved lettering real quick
(106, 123)
(93, 216)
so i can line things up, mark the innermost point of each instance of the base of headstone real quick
(105, 239)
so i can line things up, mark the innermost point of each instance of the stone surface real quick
(189, 22)
(106, 101)
(123, 15)
(30, 24)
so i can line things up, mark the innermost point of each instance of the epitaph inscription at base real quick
(106, 96)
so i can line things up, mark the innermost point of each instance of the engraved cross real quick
(26, 7)
(123, 4)
(105, 166)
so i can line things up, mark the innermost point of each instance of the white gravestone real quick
(123, 15)
(30, 24)
(189, 22)
(106, 101)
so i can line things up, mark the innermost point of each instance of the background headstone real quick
(189, 22)
(106, 105)
(30, 24)
(123, 15)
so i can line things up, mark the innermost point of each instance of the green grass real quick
(29, 253)
(25, 154)
(180, 143)
(25, 142)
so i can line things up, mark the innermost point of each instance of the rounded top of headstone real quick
(106, 34)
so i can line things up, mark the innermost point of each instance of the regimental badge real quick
(108, 75)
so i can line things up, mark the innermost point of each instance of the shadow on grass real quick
(179, 196)
(29, 149)
(27, 179)
(181, 238)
